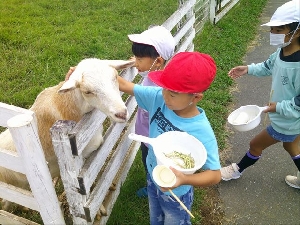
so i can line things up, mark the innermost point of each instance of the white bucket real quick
(246, 117)
(175, 141)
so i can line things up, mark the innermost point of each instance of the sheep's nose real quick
(122, 115)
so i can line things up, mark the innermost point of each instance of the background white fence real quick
(210, 10)
(96, 181)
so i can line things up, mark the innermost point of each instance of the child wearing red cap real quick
(151, 48)
(284, 108)
(173, 106)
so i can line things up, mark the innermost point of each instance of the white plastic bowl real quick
(175, 141)
(246, 117)
(163, 176)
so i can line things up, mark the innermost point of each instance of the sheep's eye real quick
(88, 92)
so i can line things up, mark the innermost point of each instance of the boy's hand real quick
(238, 71)
(69, 73)
(132, 59)
(179, 177)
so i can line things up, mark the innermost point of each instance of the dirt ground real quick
(211, 210)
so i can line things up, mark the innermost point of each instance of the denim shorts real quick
(281, 137)
(164, 209)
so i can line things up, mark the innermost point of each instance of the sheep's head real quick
(97, 81)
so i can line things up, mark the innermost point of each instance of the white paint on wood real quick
(172, 21)
(113, 195)
(7, 218)
(225, 10)
(29, 160)
(219, 9)
(11, 160)
(184, 30)
(18, 195)
(94, 164)
(9, 111)
(87, 127)
(187, 44)
(68, 168)
(24, 132)
(98, 194)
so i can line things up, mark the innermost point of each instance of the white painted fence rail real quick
(211, 10)
(219, 8)
(29, 160)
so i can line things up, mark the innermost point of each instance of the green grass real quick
(40, 40)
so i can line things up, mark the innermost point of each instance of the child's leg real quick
(293, 148)
(144, 150)
(259, 143)
(173, 211)
(142, 192)
(155, 210)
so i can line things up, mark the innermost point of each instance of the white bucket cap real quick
(158, 37)
(285, 14)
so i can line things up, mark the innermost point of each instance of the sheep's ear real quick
(121, 64)
(68, 86)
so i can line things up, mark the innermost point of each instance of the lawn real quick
(40, 40)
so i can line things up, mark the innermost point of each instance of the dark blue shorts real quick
(281, 137)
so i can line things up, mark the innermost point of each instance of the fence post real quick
(212, 11)
(69, 169)
(24, 132)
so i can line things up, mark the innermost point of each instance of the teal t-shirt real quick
(162, 119)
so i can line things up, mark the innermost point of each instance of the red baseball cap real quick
(187, 72)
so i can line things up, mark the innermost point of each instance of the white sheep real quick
(92, 85)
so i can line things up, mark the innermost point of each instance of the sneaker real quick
(293, 181)
(142, 192)
(230, 172)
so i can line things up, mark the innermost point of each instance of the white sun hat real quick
(158, 37)
(285, 14)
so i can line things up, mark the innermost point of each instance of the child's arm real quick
(264, 68)
(238, 71)
(125, 85)
(256, 69)
(202, 179)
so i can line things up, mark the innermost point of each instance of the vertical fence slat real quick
(218, 8)
(23, 129)
(68, 169)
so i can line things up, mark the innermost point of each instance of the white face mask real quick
(145, 73)
(278, 39)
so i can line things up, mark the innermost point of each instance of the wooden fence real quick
(29, 160)
(210, 10)
(95, 182)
